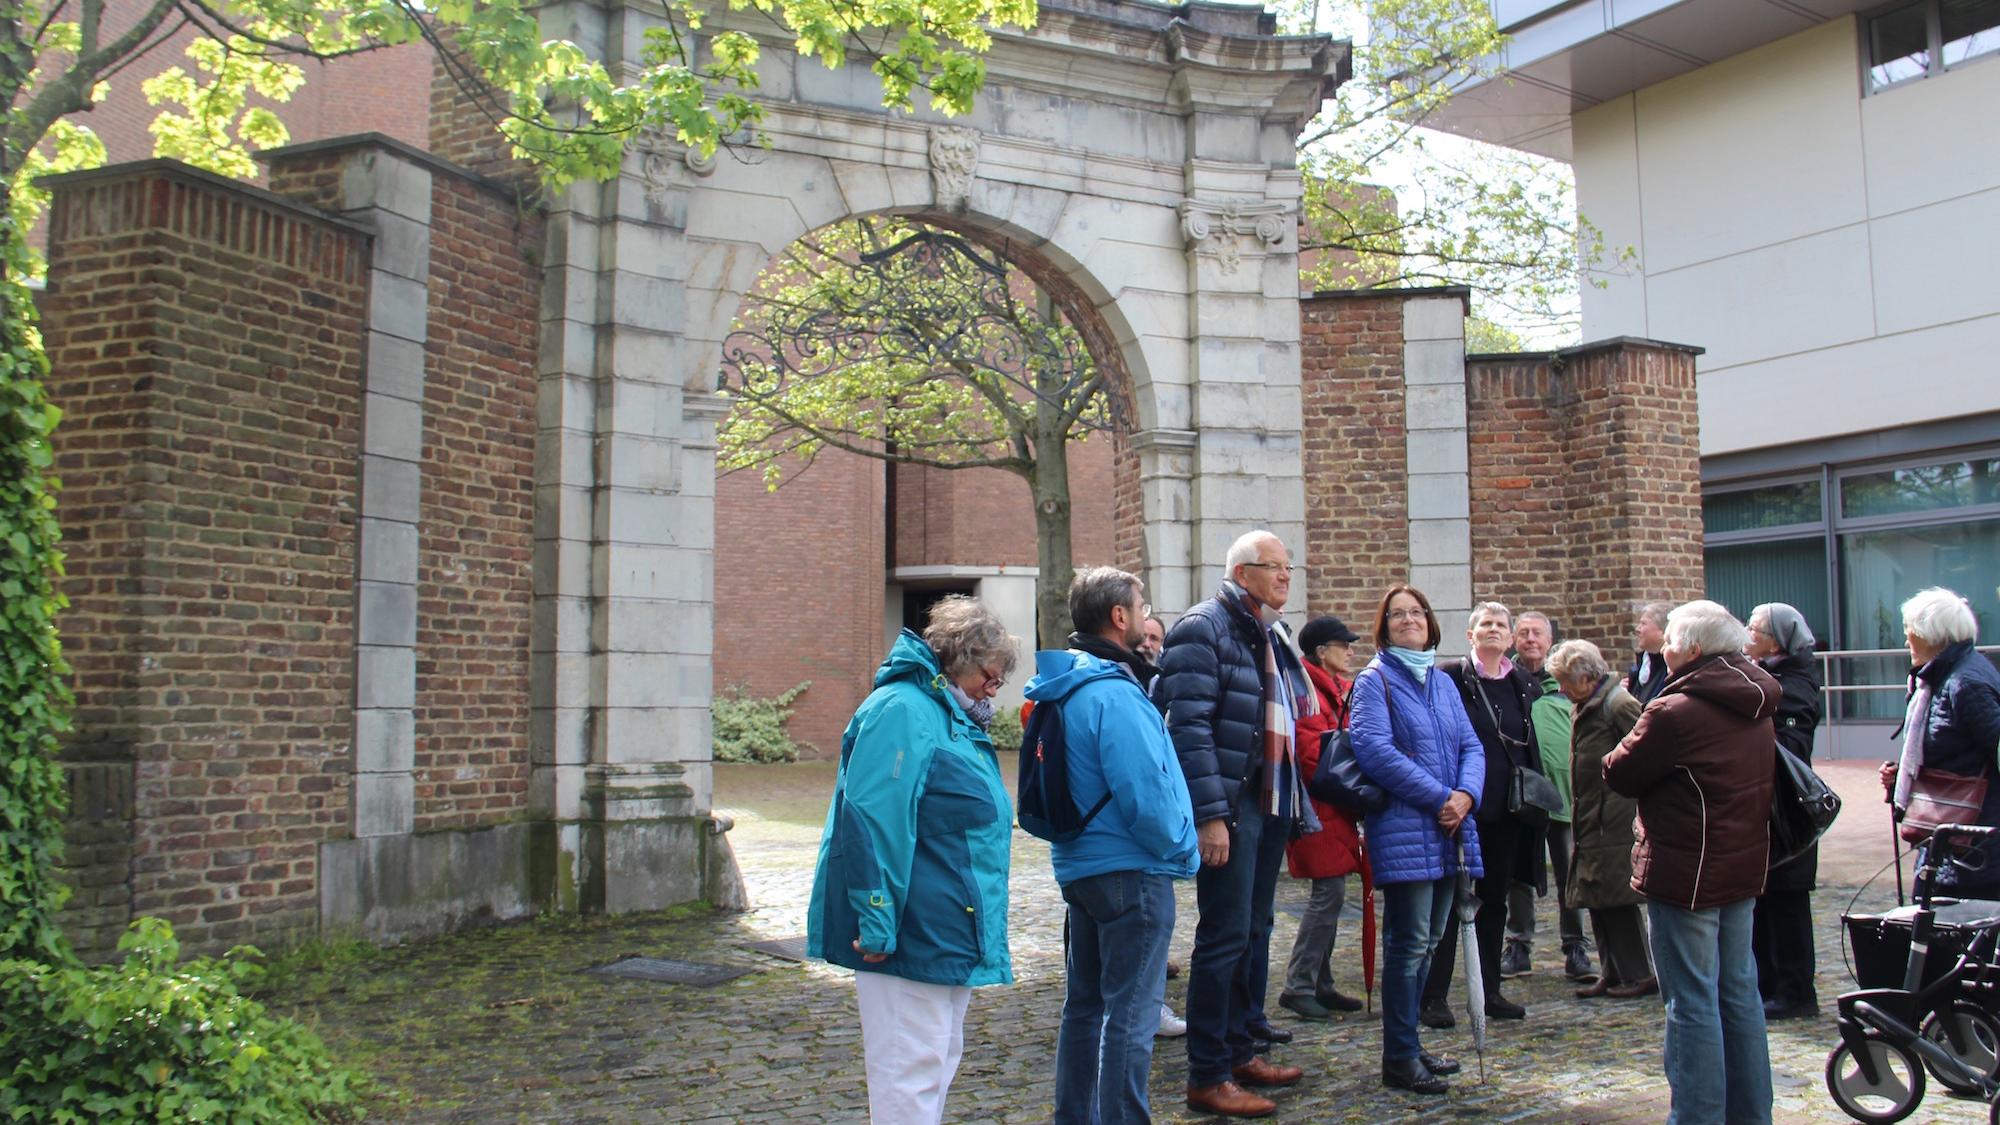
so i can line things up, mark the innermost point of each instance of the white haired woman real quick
(1699, 764)
(1782, 935)
(1951, 725)
(911, 887)
(1603, 711)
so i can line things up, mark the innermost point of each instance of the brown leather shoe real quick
(1257, 1072)
(1229, 1100)
(1636, 989)
(1594, 989)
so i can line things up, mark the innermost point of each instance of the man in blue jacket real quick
(1117, 877)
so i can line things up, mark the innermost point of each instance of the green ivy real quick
(750, 729)
(34, 692)
(154, 1040)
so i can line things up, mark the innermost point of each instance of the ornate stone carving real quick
(1223, 225)
(954, 162)
(667, 162)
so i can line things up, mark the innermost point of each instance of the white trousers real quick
(912, 1035)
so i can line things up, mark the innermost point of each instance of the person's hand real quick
(1454, 811)
(1888, 772)
(871, 958)
(1213, 840)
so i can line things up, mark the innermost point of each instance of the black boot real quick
(1413, 1075)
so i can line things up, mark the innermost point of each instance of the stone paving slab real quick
(506, 1025)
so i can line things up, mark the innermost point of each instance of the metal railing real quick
(1857, 664)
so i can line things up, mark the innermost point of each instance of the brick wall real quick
(474, 580)
(1357, 490)
(1586, 490)
(204, 342)
(799, 581)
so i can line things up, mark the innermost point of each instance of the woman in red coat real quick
(1328, 856)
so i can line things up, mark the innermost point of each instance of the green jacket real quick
(913, 861)
(1550, 714)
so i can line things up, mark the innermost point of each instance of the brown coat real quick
(1699, 762)
(1600, 870)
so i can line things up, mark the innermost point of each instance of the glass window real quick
(1777, 505)
(1899, 45)
(1744, 576)
(1921, 488)
(1971, 28)
(1882, 568)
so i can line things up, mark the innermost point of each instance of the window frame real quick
(1776, 531)
(1834, 509)
(1934, 64)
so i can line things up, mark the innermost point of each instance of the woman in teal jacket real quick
(911, 887)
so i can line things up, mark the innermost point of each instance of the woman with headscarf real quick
(1782, 933)
(911, 886)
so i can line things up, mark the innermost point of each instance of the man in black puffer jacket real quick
(1247, 794)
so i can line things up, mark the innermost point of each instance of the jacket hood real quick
(909, 659)
(1731, 682)
(1059, 672)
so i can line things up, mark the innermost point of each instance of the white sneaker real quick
(1171, 1025)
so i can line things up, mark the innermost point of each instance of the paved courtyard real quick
(508, 1025)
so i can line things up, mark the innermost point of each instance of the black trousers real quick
(1500, 845)
(1781, 936)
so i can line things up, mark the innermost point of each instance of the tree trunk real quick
(1048, 483)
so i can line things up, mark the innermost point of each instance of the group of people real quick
(1197, 766)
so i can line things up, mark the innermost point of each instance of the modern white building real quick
(1812, 192)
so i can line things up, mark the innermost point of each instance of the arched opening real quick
(884, 449)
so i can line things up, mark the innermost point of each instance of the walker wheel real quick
(1978, 1045)
(1898, 1088)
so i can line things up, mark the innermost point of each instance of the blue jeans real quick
(1231, 963)
(1718, 1060)
(1414, 917)
(1119, 925)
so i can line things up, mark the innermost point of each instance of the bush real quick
(1006, 730)
(750, 729)
(150, 1040)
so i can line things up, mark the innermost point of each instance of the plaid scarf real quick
(1282, 790)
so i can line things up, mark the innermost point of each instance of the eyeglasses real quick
(1276, 568)
(1406, 615)
(992, 681)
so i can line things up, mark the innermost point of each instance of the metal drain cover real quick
(666, 970)
(784, 949)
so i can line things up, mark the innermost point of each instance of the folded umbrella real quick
(1468, 947)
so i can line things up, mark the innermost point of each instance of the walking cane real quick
(1895, 841)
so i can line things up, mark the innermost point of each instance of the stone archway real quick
(1142, 155)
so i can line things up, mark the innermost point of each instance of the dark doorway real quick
(917, 603)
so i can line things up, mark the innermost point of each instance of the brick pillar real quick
(1586, 490)
(204, 340)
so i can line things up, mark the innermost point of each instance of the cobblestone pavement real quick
(506, 1024)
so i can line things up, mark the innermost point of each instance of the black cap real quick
(1324, 630)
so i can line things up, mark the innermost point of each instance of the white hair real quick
(1244, 550)
(1484, 608)
(1939, 617)
(1705, 627)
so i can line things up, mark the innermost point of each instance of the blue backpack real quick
(1043, 803)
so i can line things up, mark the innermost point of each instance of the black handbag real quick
(1531, 798)
(1339, 780)
(1802, 808)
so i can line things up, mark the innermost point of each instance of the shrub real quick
(1006, 730)
(150, 1040)
(751, 729)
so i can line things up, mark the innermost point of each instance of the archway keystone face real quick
(1141, 154)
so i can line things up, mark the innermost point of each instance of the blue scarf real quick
(1419, 663)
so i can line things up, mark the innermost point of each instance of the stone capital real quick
(1223, 226)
